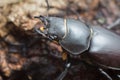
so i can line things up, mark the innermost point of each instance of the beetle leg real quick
(104, 73)
(116, 23)
(63, 74)
(118, 76)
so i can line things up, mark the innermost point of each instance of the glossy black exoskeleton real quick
(98, 44)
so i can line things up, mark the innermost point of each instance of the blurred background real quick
(27, 56)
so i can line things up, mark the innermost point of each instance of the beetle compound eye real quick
(42, 29)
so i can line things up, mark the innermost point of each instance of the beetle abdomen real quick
(105, 48)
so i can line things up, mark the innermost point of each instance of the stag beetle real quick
(100, 45)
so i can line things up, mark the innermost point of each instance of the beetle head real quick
(46, 30)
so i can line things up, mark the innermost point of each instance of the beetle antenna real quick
(48, 7)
